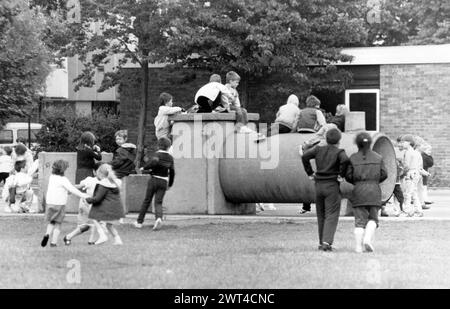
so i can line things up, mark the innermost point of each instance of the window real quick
(6, 137)
(23, 133)
(368, 101)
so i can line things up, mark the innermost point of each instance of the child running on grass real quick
(84, 223)
(162, 170)
(58, 190)
(107, 207)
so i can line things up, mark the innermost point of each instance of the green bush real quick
(62, 129)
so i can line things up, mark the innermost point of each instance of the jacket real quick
(123, 160)
(106, 203)
(366, 172)
(288, 115)
(331, 162)
(162, 166)
(311, 118)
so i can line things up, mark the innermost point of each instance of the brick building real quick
(402, 89)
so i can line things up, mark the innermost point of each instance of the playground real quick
(273, 250)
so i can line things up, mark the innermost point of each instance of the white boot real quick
(368, 235)
(359, 235)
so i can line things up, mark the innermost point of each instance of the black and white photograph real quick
(224, 150)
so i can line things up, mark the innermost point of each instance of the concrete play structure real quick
(221, 172)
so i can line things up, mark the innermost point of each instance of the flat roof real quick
(411, 54)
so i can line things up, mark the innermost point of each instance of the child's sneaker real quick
(45, 240)
(137, 225)
(157, 225)
(53, 245)
(418, 214)
(67, 241)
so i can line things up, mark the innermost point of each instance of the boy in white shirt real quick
(213, 96)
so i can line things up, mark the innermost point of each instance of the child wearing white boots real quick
(365, 171)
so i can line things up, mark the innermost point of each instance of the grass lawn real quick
(212, 253)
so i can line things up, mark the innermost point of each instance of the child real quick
(331, 162)
(163, 176)
(123, 159)
(287, 115)
(339, 119)
(56, 198)
(22, 153)
(233, 80)
(162, 125)
(412, 162)
(107, 207)
(87, 153)
(213, 95)
(428, 162)
(311, 119)
(6, 163)
(88, 184)
(365, 171)
(17, 190)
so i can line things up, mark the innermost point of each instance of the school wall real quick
(415, 99)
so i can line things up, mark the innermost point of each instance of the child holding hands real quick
(56, 198)
(107, 207)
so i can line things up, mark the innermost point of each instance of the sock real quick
(92, 236)
(55, 235)
(50, 228)
(74, 233)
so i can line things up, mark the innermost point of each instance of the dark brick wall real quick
(416, 99)
(413, 99)
(181, 85)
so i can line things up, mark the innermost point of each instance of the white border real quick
(376, 91)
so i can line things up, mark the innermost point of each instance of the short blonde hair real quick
(231, 76)
(341, 109)
(122, 133)
(215, 78)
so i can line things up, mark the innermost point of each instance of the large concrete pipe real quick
(272, 172)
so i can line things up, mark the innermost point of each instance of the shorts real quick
(364, 214)
(55, 213)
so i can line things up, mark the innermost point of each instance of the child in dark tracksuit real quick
(163, 174)
(365, 171)
(331, 162)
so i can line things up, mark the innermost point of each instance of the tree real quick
(300, 39)
(135, 30)
(25, 56)
(398, 22)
